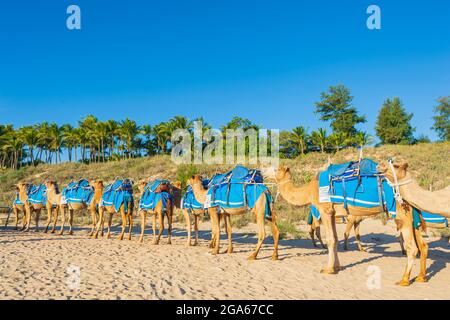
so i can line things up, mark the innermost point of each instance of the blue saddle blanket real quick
(118, 193)
(78, 192)
(238, 188)
(189, 201)
(37, 194)
(356, 184)
(150, 198)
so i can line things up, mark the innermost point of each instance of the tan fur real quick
(127, 217)
(157, 212)
(53, 204)
(29, 208)
(437, 202)
(259, 210)
(92, 208)
(20, 188)
(328, 210)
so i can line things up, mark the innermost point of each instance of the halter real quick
(396, 185)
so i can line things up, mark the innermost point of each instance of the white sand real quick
(35, 266)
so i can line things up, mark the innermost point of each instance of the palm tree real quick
(88, 135)
(71, 140)
(112, 128)
(162, 134)
(363, 139)
(12, 144)
(56, 138)
(147, 132)
(338, 140)
(129, 130)
(319, 138)
(30, 137)
(299, 138)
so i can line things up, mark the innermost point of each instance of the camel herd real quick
(408, 195)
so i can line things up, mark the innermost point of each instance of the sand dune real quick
(40, 266)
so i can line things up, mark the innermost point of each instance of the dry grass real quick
(429, 165)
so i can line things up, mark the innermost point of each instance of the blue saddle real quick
(189, 202)
(353, 183)
(238, 188)
(150, 198)
(37, 194)
(78, 192)
(118, 193)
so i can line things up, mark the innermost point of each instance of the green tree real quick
(442, 118)
(393, 123)
(319, 138)
(336, 106)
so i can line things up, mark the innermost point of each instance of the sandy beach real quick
(46, 266)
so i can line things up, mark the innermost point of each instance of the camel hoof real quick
(421, 279)
(403, 283)
(328, 271)
(70, 233)
(362, 249)
(169, 242)
(274, 257)
(251, 257)
(188, 244)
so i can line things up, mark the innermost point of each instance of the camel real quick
(97, 186)
(409, 194)
(126, 212)
(259, 210)
(159, 211)
(437, 202)
(188, 210)
(309, 194)
(53, 204)
(19, 203)
(31, 208)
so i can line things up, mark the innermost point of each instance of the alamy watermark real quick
(374, 277)
(73, 279)
(214, 146)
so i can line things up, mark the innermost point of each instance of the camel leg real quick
(348, 228)
(358, 235)
(423, 249)
(27, 218)
(276, 236)
(63, 220)
(55, 220)
(16, 217)
(93, 218)
(402, 244)
(311, 234)
(169, 222)
(319, 237)
(261, 234)
(143, 216)
(100, 222)
(228, 230)
(49, 218)
(215, 229)
(329, 223)
(38, 213)
(411, 251)
(187, 219)
(154, 227)
(70, 221)
(124, 224)
(196, 217)
(130, 228)
(161, 227)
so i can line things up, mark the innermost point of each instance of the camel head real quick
(51, 184)
(196, 179)
(399, 168)
(141, 185)
(22, 187)
(96, 184)
(283, 173)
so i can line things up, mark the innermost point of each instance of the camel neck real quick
(299, 196)
(199, 192)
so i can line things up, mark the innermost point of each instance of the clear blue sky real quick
(265, 60)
